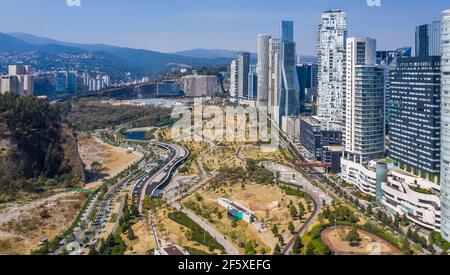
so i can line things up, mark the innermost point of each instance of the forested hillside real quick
(37, 148)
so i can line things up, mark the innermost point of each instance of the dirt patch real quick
(24, 227)
(113, 159)
(370, 243)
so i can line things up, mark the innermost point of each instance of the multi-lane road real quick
(158, 177)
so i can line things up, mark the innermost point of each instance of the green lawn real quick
(198, 234)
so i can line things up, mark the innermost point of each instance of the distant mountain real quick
(144, 61)
(10, 43)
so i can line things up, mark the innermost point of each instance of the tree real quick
(281, 239)
(369, 210)
(250, 249)
(294, 212)
(291, 227)
(406, 249)
(275, 229)
(297, 247)
(353, 237)
(131, 235)
(277, 250)
(309, 249)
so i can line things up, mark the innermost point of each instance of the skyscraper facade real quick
(243, 65)
(388, 60)
(234, 79)
(274, 78)
(445, 127)
(289, 93)
(263, 69)
(253, 86)
(415, 115)
(364, 103)
(332, 35)
(307, 79)
(428, 39)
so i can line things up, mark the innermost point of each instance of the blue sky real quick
(171, 25)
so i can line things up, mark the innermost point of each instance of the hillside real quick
(138, 61)
(35, 146)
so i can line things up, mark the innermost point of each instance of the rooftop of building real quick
(314, 121)
(334, 148)
(173, 251)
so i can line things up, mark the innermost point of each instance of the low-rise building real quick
(366, 177)
(414, 197)
(314, 138)
(237, 211)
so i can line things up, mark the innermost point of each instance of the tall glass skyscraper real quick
(289, 94)
(445, 127)
(415, 115)
(428, 39)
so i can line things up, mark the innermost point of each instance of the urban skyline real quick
(149, 26)
(118, 151)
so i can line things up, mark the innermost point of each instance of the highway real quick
(158, 177)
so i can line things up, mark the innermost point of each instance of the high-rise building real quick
(234, 79)
(332, 35)
(364, 132)
(428, 39)
(66, 82)
(19, 80)
(445, 126)
(388, 60)
(263, 69)
(307, 79)
(289, 93)
(243, 64)
(415, 115)
(274, 78)
(253, 84)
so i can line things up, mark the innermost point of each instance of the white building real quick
(263, 69)
(19, 80)
(331, 62)
(291, 126)
(414, 197)
(234, 79)
(362, 176)
(274, 78)
(364, 132)
(445, 126)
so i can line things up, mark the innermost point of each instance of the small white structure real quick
(235, 207)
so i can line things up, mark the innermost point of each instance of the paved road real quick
(230, 249)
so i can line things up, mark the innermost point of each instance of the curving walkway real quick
(230, 249)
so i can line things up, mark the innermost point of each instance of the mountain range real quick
(139, 61)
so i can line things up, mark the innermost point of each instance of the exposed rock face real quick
(201, 85)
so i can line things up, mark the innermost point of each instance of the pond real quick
(140, 136)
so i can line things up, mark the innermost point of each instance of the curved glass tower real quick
(445, 131)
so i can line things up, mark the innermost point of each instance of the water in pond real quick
(134, 135)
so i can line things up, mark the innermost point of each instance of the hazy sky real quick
(172, 25)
